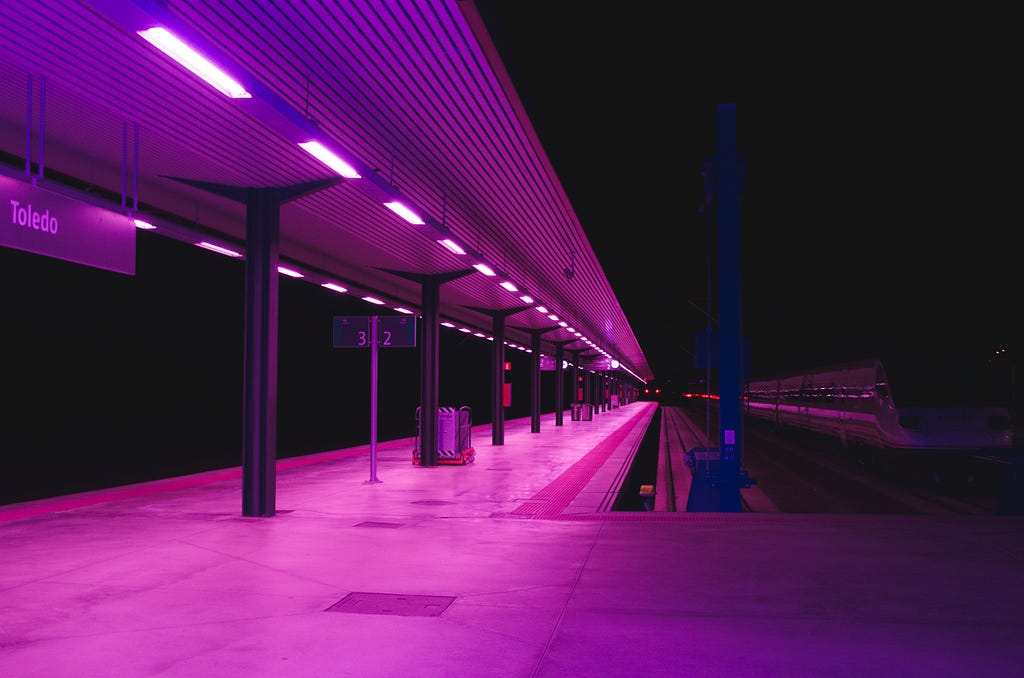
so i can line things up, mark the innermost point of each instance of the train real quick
(932, 411)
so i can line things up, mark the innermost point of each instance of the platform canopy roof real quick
(411, 95)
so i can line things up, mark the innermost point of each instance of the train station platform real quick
(509, 566)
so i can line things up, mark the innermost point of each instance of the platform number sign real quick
(393, 331)
(397, 331)
(351, 331)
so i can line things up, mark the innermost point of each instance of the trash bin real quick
(454, 436)
(575, 411)
(588, 411)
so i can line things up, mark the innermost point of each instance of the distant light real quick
(479, 334)
(553, 317)
(526, 299)
(374, 300)
(144, 225)
(335, 287)
(542, 309)
(218, 249)
(484, 268)
(447, 324)
(562, 323)
(317, 150)
(579, 334)
(466, 330)
(570, 329)
(172, 46)
(615, 364)
(452, 245)
(403, 310)
(289, 272)
(509, 286)
(404, 212)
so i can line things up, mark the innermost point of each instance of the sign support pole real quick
(373, 402)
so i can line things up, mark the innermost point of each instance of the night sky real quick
(876, 217)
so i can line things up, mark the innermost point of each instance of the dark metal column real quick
(430, 352)
(259, 411)
(559, 383)
(498, 371)
(575, 396)
(429, 366)
(498, 381)
(535, 382)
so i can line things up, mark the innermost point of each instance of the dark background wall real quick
(112, 379)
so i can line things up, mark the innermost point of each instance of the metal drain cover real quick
(393, 603)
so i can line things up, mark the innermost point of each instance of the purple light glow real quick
(404, 212)
(218, 249)
(317, 150)
(172, 46)
(452, 245)
(484, 268)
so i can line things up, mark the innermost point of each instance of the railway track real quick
(800, 473)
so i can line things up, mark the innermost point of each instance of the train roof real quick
(930, 380)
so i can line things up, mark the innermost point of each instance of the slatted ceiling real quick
(402, 79)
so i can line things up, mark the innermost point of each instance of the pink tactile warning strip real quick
(559, 493)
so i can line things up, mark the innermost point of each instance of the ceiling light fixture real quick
(404, 212)
(172, 46)
(218, 249)
(318, 151)
(484, 268)
(452, 246)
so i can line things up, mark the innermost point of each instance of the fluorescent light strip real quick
(172, 46)
(484, 268)
(218, 249)
(289, 272)
(526, 299)
(403, 310)
(404, 212)
(374, 300)
(317, 150)
(452, 246)
(334, 287)
(509, 286)
(144, 225)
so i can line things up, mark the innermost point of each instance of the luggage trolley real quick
(454, 436)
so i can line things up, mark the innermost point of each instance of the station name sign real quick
(599, 364)
(38, 220)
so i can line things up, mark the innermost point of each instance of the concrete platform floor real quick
(509, 566)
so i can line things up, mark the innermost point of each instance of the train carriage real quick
(857, 403)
